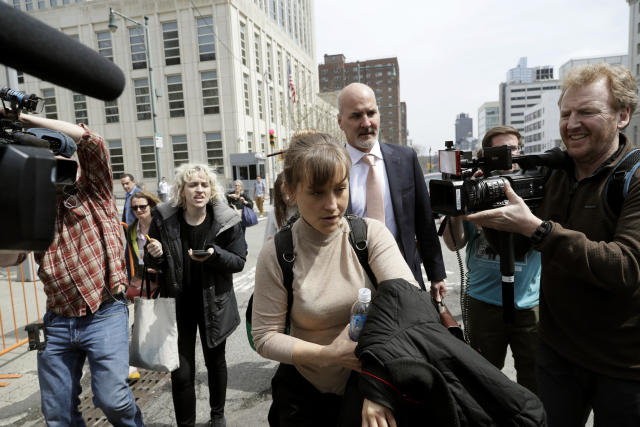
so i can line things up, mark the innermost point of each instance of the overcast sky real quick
(453, 54)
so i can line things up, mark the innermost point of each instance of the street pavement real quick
(248, 390)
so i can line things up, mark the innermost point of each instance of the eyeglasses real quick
(139, 207)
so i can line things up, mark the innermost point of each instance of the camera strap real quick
(617, 185)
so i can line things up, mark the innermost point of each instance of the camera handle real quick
(507, 269)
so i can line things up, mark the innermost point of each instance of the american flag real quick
(292, 86)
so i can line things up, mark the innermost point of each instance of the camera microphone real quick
(30, 46)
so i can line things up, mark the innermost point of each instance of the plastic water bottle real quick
(359, 313)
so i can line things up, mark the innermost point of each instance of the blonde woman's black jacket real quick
(426, 376)
(230, 248)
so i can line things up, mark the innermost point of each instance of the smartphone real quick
(199, 252)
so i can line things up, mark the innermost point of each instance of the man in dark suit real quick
(407, 210)
(130, 187)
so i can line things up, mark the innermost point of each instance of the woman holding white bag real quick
(198, 243)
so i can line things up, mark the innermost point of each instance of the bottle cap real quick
(364, 295)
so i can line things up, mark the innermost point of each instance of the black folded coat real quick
(426, 376)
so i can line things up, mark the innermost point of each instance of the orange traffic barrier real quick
(29, 312)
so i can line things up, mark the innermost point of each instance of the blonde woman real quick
(198, 219)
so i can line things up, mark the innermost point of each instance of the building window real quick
(263, 143)
(243, 43)
(210, 98)
(245, 88)
(80, 108)
(282, 22)
(269, 63)
(138, 52)
(215, 155)
(20, 76)
(273, 9)
(283, 114)
(53, 3)
(16, 4)
(116, 156)
(260, 102)
(105, 47)
(280, 73)
(41, 4)
(50, 109)
(249, 142)
(111, 111)
(256, 39)
(176, 98)
(272, 112)
(171, 43)
(148, 158)
(28, 4)
(143, 100)
(180, 150)
(206, 41)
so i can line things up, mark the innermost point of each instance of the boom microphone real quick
(30, 46)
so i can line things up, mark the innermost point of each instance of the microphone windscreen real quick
(30, 46)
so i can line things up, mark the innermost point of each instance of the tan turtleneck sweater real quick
(326, 279)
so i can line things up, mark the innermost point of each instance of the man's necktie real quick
(375, 202)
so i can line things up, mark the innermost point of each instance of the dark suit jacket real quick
(417, 237)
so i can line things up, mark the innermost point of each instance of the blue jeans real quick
(569, 392)
(102, 337)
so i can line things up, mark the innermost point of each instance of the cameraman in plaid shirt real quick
(84, 277)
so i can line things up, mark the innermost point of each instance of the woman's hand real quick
(200, 258)
(341, 352)
(154, 247)
(374, 415)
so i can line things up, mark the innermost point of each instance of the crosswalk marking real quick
(244, 282)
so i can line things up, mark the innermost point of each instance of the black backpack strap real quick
(618, 182)
(284, 250)
(358, 240)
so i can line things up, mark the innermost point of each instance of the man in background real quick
(130, 187)
(486, 328)
(258, 193)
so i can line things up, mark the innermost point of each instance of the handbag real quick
(154, 335)
(447, 320)
(249, 217)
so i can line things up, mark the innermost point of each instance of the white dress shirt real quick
(358, 185)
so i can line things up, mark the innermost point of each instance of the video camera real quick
(28, 165)
(458, 193)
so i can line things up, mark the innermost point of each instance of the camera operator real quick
(489, 334)
(589, 349)
(84, 278)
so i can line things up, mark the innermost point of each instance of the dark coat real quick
(426, 376)
(230, 249)
(416, 237)
(238, 203)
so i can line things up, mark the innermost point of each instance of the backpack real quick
(619, 180)
(286, 257)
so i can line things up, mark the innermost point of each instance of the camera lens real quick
(483, 194)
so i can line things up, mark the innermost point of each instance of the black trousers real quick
(296, 402)
(568, 393)
(190, 315)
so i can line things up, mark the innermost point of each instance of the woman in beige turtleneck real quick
(317, 356)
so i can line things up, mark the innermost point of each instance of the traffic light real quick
(272, 140)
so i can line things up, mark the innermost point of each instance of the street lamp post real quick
(157, 138)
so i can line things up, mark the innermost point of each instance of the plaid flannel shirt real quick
(87, 253)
